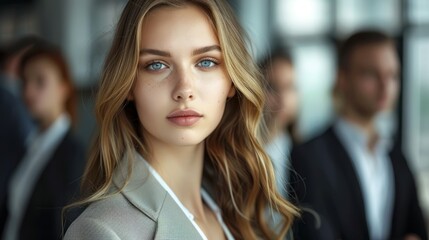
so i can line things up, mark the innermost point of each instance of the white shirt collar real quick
(206, 197)
(353, 135)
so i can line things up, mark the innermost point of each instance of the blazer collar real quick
(351, 197)
(145, 193)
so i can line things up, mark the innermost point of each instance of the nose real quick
(183, 90)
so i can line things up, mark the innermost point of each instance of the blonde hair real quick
(236, 166)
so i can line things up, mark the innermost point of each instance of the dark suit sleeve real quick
(73, 169)
(415, 219)
(310, 199)
(56, 188)
(416, 222)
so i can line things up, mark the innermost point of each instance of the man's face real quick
(282, 98)
(369, 84)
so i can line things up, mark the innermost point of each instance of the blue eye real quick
(207, 63)
(156, 66)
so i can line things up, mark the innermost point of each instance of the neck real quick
(181, 167)
(47, 121)
(366, 124)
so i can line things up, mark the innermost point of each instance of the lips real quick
(184, 117)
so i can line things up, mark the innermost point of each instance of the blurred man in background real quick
(354, 176)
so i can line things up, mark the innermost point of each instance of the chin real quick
(186, 141)
(383, 107)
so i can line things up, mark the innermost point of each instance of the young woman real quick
(47, 176)
(177, 155)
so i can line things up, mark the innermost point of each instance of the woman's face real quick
(44, 90)
(182, 86)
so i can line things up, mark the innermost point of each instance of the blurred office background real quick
(310, 28)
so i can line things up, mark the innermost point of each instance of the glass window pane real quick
(103, 23)
(315, 71)
(416, 110)
(302, 17)
(416, 95)
(355, 14)
(418, 11)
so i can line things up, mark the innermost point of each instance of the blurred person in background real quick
(281, 112)
(15, 122)
(48, 175)
(353, 175)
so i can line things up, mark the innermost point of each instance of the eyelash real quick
(211, 60)
(147, 67)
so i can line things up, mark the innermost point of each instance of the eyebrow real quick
(154, 52)
(206, 49)
(167, 54)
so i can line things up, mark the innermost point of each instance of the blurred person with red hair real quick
(15, 122)
(48, 175)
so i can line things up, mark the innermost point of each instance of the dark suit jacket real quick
(15, 125)
(325, 181)
(56, 187)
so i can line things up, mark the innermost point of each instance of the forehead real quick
(374, 54)
(166, 27)
(367, 51)
(39, 63)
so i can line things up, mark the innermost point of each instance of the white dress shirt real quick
(207, 199)
(278, 150)
(41, 147)
(375, 175)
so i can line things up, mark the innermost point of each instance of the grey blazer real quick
(143, 210)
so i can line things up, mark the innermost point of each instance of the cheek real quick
(368, 85)
(393, 89)
(38, 101)
(146, 97)
(39, 95)
(363, 89)
(151, 101)
(214, 93)
(292, 102)
(272, 101)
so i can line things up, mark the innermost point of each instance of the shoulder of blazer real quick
(307, 152)
(142, 209)
(141, 188)
(131, 212)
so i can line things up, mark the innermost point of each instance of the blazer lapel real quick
(398, 211)
(347, 194)
(173, 223)
(149, 197)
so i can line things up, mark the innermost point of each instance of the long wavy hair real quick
(236, 166)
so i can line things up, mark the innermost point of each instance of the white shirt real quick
(41, 147)
(375, 175)
(207, 199)
(279, 150)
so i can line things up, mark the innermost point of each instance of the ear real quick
(231, 92)
(341, 81)
(130, 96)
